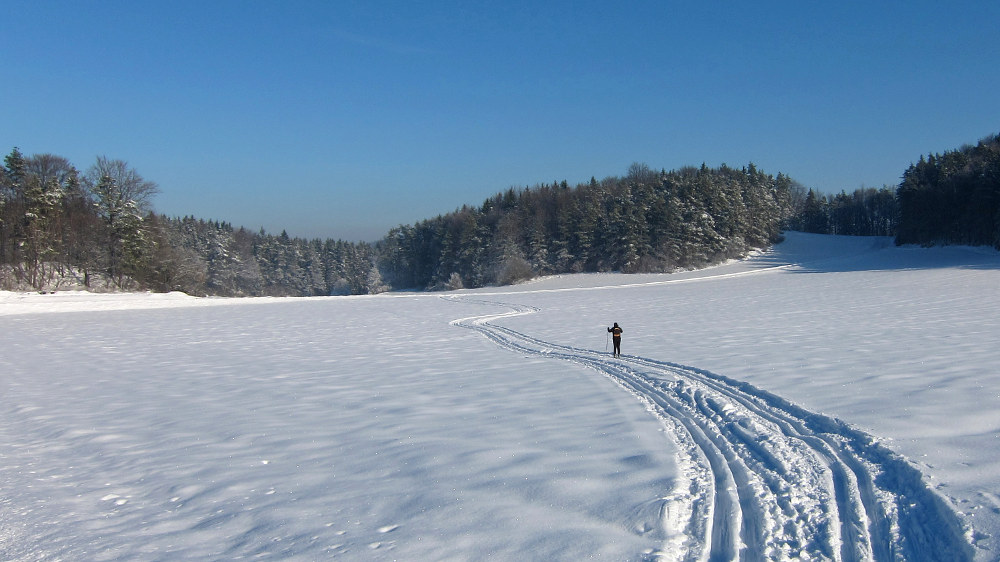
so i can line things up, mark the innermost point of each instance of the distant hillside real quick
(647, 221)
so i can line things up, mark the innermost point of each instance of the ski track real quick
(768, 479)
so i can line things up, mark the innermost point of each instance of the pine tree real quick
(814, 215)
(12, 207)
(43, 205)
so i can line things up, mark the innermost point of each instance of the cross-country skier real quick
(616, 337)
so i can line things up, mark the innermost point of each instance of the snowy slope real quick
(377, 428)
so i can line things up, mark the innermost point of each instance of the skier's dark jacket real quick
(616, 331)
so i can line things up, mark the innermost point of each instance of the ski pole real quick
(606, 340)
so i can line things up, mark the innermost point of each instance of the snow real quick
(834, 398)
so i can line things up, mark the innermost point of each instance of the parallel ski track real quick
(769, 480)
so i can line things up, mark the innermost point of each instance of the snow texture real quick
(831, 399)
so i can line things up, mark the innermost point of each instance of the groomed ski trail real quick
(767, 480)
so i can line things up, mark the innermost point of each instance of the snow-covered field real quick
(834, 398)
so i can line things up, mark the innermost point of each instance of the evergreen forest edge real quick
(97, 229)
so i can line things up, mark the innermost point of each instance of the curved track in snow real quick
(768, 480)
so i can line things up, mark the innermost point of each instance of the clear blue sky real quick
(344, 119)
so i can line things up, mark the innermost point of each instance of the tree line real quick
(953, 198)
(949, 198)
(213, 258)
(97, 229)
(647, 221)
(54, 219)
(865, 212)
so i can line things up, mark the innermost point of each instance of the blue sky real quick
(344, 119)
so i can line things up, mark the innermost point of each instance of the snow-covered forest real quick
(953, 198)
(57, 223)
(647, 221)
(61, 228)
